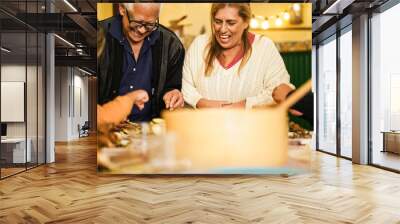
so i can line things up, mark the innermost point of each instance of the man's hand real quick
(173, 99)
(280, 92)
(139, 98)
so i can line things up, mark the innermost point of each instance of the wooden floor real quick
(387, 159)
(70, 191)
(5, 172)
(10, 171)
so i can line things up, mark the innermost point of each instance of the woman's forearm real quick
(239, 104)
(204, 103)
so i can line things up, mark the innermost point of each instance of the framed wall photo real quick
(223, 117)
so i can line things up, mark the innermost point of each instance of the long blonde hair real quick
(214, 49)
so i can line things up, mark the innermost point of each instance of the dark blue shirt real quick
(136, 74)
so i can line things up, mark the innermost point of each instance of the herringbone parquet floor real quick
(70, 191)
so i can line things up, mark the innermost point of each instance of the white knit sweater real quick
(264, 71)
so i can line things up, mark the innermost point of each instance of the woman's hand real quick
(280, 92)
(295, 112)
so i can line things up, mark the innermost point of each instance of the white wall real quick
(61, 103)
(80, 97)
(71, 94)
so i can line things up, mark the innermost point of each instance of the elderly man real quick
(139, 53)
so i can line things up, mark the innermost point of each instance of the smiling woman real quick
(232, 68)
(230, 27)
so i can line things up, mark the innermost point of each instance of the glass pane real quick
(327, 97)
(23, 84)
(346, 94)
(314, 84)
(31, 84)
(31, 97)
(14, 153)
(385, 89)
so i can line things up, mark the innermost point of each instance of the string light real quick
(253, 23)
(259, 22)
(296, 7)
(286, 15)
(278, 21)
(265, 25)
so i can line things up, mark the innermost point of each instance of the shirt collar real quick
(116, 31)
(116, 28)
(154, 36)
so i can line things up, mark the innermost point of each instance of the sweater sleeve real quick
(192, 59)
(275, 75)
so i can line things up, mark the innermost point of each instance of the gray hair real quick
(128, 6)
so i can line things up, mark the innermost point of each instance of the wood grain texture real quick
(70, 191)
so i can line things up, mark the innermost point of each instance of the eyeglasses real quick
(135, 25)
